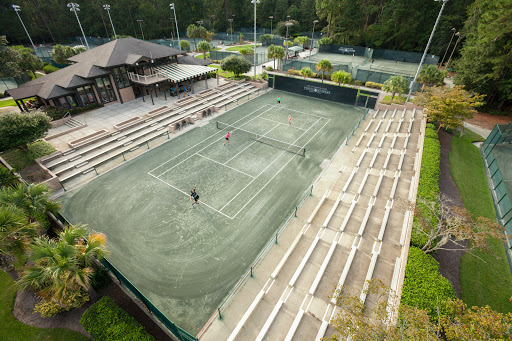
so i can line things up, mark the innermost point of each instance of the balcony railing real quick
(146, 79)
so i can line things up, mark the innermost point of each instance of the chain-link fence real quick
(261, 57)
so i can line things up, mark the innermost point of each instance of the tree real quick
(395, 84)
(246, 51)
(185, 45)
(275, 52)
(9, 60)
(341, 77)
(241, 38)
(303, 40)
(306, 72)
(18, 130)
(60, 269)
(455, 224)
(194, 32)
(62, 53)
(28, 61)
(33, 200)
(236, 64)
(293, 29)
(431, 75)
(486, 55)
(325, 41)
(324, 65)
(449, 107)
(203, 47)
(7, 177)
(266, 37)
(207, 35)
(16, 232)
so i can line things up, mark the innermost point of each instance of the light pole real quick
(287, 24)
(17, 9)
(450, 59)
(271, 17)
(74, 7)
(426, 50)
(231, 25)
(312, 36)
(141, 30)
(448, 47)
(255, 2)
(177, 31)
(107, 8)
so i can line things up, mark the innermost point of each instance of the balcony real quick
(146, 79)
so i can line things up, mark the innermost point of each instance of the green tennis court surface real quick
(185, 259)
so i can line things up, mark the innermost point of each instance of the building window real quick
(67, 102)
(121, 77)
(106, 92)
(86, 94)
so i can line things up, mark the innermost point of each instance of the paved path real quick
(355, 227)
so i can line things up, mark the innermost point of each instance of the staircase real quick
(73, 123)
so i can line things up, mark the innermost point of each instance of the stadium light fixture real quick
(17, 9)
(74, 7)
(231, 25)
(107, 8)
(448, 47)
(426, 50)
(312, 36)
(177, 31)
(255, 2)
(140, 21)
(287, 24)
(271, 17)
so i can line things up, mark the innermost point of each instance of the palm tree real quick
(16, 233)
(203, 47)
(431, 75)
(341, 77)
(395, 84)
(61, 267)
(34, 200)
(324, 65)
(275, 52)
(306, 72)
(303, 40)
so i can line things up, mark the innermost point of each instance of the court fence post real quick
(251, 272)
(296, 211)
(311, 192)
(94, 167)
(220, 316)
(276, 238)
(123, 156)
(147, 142)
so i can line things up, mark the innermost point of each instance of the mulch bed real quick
(488, 121)
(34, 173)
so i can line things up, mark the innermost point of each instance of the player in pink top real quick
(226, 139)
(290, 120)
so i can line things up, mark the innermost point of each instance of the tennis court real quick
(185, 259)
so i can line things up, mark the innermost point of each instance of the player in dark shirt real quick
(194, 196)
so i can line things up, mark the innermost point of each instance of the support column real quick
(117, 88)
(24, 107)
(206, 80)
(192, 86)
(19, 106)
(151, 94)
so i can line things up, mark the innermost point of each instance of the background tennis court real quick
(184, 259)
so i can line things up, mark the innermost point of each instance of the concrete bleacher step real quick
(81, 164)
(75, 158)
(128, 143)
(88, 170)
(134, 148)
(121, 137)
(67, 152)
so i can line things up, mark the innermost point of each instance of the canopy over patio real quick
(178, 73)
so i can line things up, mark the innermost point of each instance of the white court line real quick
(209, 137)
(286, 164)
(249, 146)
(203, 147)
(202, 202)
(239, 171)
(301, 112)
(268, 119)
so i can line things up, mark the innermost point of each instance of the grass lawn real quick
(226, 74)
(201, 56)
(11, 103)
(396, 100)
(12, 329)
(20, 159)
(489, 282)
(238, 48)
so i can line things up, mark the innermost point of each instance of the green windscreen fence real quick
(261, 57)
(497, 152)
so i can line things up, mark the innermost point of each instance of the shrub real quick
(46, 63)
(424, 285)
(269, 68)
(50, 68)
(358, 83)
(374, 85)
(428, 187)
(106, 321)
(56, 113)
(2, 94)
(51, 308)
(7, 177)
(100, 278)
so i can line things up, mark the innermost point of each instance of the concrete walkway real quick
(479, 130)
(355, 227)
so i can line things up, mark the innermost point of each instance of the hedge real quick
(106, 321)
(424, 285)
(428, 188)
(50, 68)
(374, 85)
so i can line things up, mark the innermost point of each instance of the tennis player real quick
(290, 120)
(226, 139)
(194, 196)
(278, 100)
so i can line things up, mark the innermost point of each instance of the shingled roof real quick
(90, 64)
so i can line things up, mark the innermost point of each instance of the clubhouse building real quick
(116, 72)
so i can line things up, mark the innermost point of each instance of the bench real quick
(185, 101)
(128, 124)
(206, 93)
(91, 138)
(156, 110)
(156, 113)
(225, 86)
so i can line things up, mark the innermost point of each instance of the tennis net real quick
(263, 139)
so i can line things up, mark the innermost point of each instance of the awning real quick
(181, 72)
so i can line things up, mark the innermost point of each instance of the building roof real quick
(193, 60)
(91, 64)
